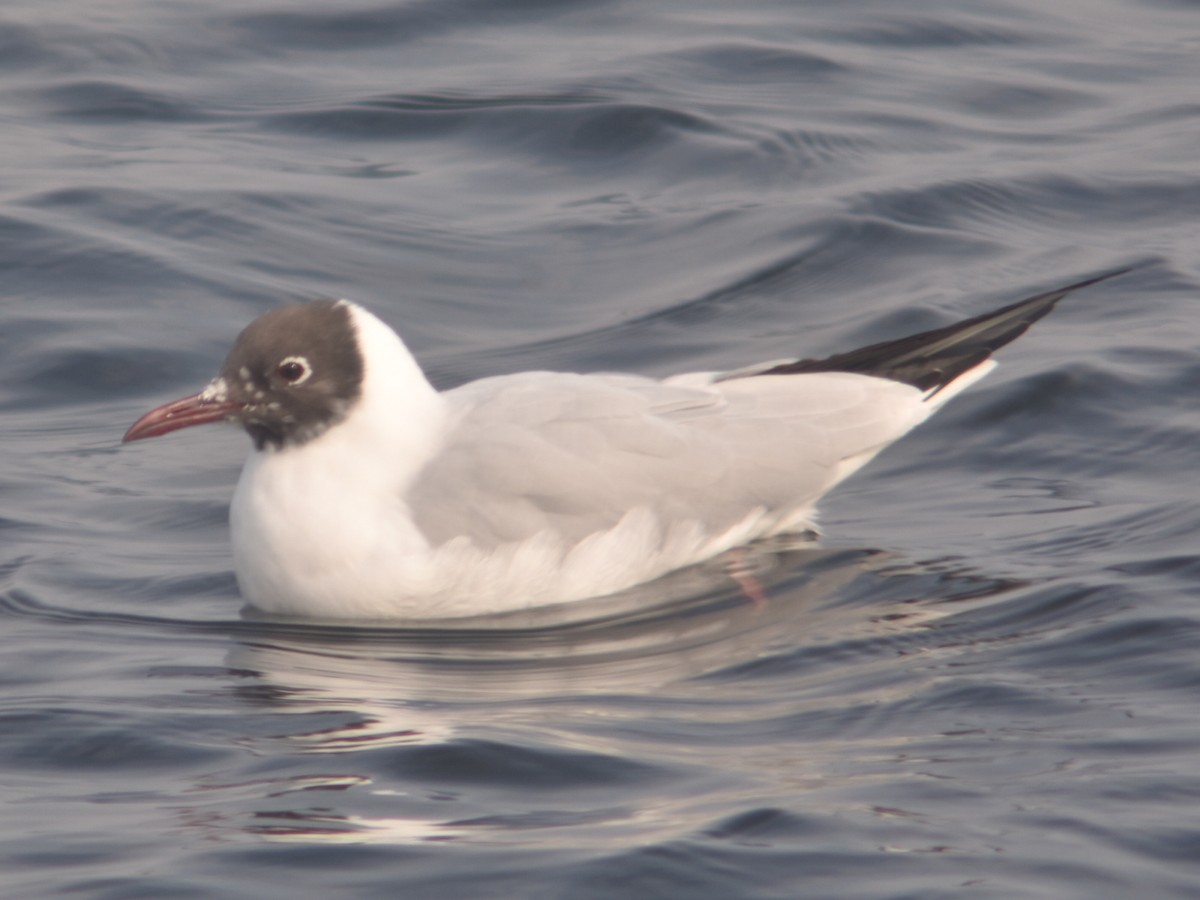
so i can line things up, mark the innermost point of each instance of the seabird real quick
(371, 495)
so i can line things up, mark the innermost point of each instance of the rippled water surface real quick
(983, 682)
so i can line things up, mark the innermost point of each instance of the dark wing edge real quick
(933, 359)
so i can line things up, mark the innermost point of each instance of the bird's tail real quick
(945, 359)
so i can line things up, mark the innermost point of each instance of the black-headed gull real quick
(372, 495)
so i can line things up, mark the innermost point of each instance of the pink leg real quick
(736, 568)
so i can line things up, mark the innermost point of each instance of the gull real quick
(371, 495)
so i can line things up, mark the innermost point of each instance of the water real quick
(982, 683)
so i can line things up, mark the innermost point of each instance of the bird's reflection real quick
(483, 689)
(684, 626)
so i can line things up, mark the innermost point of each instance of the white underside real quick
(544, 488)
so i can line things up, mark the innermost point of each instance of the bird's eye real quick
(293, 370)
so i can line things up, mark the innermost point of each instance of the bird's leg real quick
(736, 567)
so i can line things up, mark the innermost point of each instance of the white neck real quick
(329, 502)
(398, 421)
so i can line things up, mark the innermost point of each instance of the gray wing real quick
(571, 454)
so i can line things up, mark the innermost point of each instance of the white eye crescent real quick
(294, 369)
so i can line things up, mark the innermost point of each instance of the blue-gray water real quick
(985, 682)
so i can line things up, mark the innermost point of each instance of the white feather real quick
(544, 487)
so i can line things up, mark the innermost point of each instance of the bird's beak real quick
(197, 409)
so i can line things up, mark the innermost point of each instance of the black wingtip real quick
(932, 359)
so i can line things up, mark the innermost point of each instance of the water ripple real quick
(111, 101)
